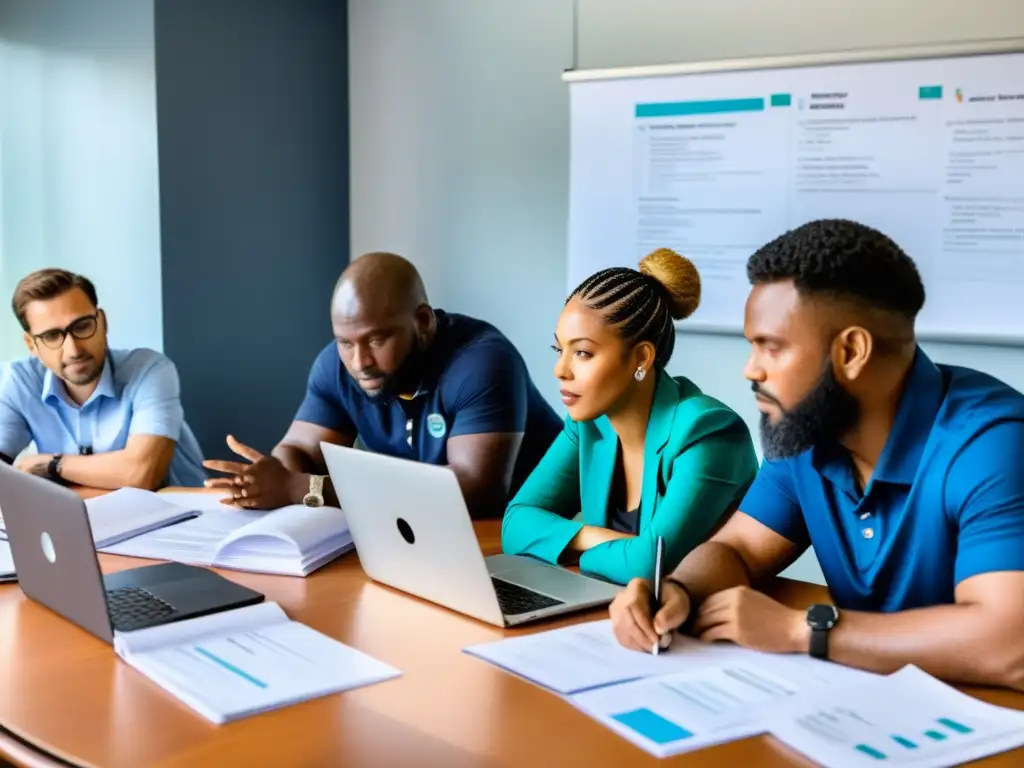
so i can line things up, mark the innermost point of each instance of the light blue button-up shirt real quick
(138, 394)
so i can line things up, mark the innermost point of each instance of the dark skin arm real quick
(976, 640)
(142, 463)
(482, 463)
(282, 478)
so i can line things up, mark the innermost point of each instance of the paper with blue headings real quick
(907, 718)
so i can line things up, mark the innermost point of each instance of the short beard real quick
(89, 378)
(407, 376)
(825, 415)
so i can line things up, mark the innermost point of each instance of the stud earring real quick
(639, 375)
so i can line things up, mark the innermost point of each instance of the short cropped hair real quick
(842, 259)
(46, 284)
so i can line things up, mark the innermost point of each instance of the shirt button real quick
(868, 533)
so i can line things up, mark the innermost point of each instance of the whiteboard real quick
(715, 160)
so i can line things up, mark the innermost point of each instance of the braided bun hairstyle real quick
(642, 304)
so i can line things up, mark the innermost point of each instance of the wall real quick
(78, 157)
(252, 105)
(460, 142)
(460, 139)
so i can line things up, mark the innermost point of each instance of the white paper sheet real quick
(709, 703)
(907, 718)
(248, 661)
(572, 659)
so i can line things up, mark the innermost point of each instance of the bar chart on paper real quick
(878, 739)
(905, 718)
(680, 712)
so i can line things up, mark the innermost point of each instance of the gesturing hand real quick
(751, 619)
(265, 483)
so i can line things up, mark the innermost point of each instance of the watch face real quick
(822, 616)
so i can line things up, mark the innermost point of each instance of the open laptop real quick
(55, 557)
(413, 532)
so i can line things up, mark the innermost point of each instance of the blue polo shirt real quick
(944, 503)
(474, 382)
(138, 394)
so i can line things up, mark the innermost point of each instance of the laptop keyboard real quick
(133, 608)
(514, 599)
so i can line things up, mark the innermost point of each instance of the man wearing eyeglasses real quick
(99, 417)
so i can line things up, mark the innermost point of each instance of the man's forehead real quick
(59, 310)
(780, 310)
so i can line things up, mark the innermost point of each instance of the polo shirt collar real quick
(435, 359)
(919, 402)
(54, 389)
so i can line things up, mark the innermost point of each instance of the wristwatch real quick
(821, 619)
(315, 497)
(53, 468)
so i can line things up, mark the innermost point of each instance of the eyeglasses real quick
(82, 328)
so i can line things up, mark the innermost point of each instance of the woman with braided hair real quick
(642, 454)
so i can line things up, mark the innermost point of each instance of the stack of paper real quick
(691, 696)
(696, 694)
(293, 540)
(128, 512)
(237, 663)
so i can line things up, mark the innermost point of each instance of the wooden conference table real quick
(66, 699)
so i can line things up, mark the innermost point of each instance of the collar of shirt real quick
(918, 406)
(54, 389)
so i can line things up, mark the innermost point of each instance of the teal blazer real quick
(699, 460)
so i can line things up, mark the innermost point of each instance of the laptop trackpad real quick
(550, 580)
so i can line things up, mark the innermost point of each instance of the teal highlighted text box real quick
(781, 99)
(904, 742)
(688, 108)
(652, 725)
(935, 735)
(929, 92)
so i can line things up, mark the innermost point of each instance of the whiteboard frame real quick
(994, 46)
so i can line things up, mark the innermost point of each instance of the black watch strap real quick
(821, 619)
(819, 643)
(53, 468)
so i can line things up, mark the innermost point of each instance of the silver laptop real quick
(413, 532)
(55, 556)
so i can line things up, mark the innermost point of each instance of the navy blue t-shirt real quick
(474, 382)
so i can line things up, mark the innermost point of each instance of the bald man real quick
(409, 381)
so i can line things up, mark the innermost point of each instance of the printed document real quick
(907, 718)
(713, 701)
(294, 540)
(246, 661)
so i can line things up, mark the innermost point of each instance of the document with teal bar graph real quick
(238, 663)
(907, 718)
(721, 697)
